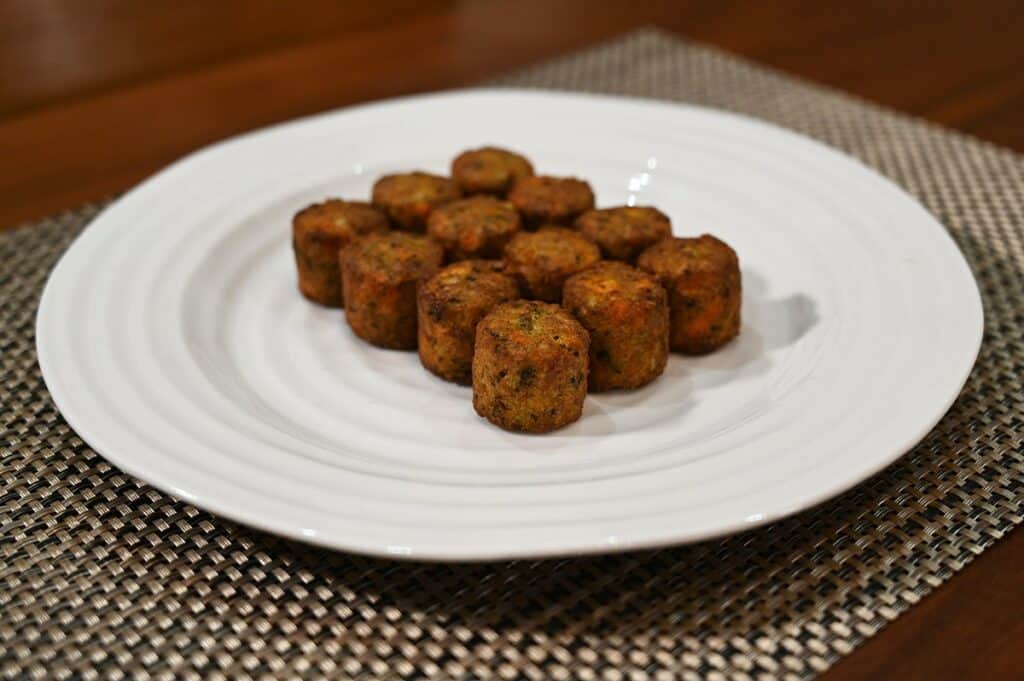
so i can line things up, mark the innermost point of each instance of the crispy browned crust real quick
(544, 259)
(408, 198)
(624, 232)
(530, 367)
(705, 292)
(477, 227)
(449, 306)
(380, 273)
(625, 311)
(319, 232)
(489, 170)
(550, 200)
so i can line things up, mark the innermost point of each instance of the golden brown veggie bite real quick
(409, 198)
(624, 232)
(702, 277)
(625, 311)
(450, 304)
(489, 170)
(550, 200)
(530, 367)
(544, 259)
(477, 227)
(380, 273)
(319, 232)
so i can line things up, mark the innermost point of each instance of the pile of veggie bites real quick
(516, 284)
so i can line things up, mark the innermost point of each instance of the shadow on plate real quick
(769, 325)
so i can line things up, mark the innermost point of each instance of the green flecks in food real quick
(525, 322)
(435, 310)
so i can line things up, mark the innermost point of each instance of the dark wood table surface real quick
(95, 95)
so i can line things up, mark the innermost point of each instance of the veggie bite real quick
(450, 304)
(477, 227)
(702, 277)
(380, 273)
(489, 170)
(530, 367)
(409, 198)
(625, 311)
(550, 200)
(544, 259)
(624, 232)
(319, 232)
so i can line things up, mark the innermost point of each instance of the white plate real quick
(173, 339)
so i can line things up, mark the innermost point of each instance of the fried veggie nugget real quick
(530, 367)
(409, 198)
(380, 274)
(625, 311)
(477, 227)
(624, 232)
(705, 291)
(489, 170)
(319, 232)
(450, 305)
(544, 259)
(542, 199)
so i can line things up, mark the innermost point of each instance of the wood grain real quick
(96, 95)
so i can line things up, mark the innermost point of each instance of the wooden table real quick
(96, 95)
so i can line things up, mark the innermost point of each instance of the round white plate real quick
(173, 339)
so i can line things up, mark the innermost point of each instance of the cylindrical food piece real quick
(379, 273)
(477, 227)
(409, 198)
(530, 367)
(321, 230)
(702, 277)
(489, 170)
(624, 232)
(625, 311)
(550, 200)
(450, 304)
(544, 259)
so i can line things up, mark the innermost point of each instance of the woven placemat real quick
(103, 577)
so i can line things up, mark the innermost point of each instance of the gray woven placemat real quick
(104, 577)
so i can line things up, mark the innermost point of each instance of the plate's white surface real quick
(173, 339)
